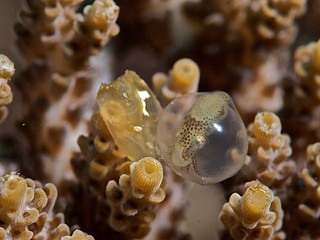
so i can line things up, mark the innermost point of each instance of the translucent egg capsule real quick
(130, 110)
(201, 136)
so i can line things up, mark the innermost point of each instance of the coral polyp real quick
(201, 136)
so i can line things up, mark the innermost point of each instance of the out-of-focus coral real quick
(269, 151)
(130, 111)
(307, 67)
(6, 72)
(311, 176)
(263, 90)
(149, 17)
(65, 34)
(182, 78)
(244, 45)
(302, 111)
(255, 215)
(56, 82)
(301, 202)
(78, 235)
(26, 210)
(251, 23)
(273, 21)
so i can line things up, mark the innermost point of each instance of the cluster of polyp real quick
(269, 149)
(26, 210)
(311, 176)
(6, 72)
(256, 214)
(134, 200)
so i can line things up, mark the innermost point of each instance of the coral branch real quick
(56, 84)
(131, 192)
(311, 175)
(269, 151)
(140, 192)
(302, 99)
(26, 210)
(6, 72)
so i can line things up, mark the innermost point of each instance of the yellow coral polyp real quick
(266, 126)
(255, 215)
(6, 67)
(101, 14)
(146, 175)
(256, 202)
(78, 235)
(13, 191)
(185, 73)
(317, 55)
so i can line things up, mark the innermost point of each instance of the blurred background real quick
(8, 16)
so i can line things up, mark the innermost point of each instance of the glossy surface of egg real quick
(201, 136)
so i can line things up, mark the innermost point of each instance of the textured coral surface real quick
(75, 157)
(6, 71)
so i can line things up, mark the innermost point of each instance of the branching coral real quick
(269, 151)
(310, 176)
(273, 21)
(255, 215)
(302, 99)
(301, 204)
(242, 44)
(134, 200)
(6, 72)
(253, 24)
(120, 188)
(26, 210)
(64, 34)
(130, 193)
(57, 43)
(307, 67)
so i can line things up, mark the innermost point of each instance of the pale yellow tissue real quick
(130, 111)
(184, 75)
(6, 67)
(102, 14)
(78, 235)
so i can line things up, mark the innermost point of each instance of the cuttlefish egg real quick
(201, 136)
